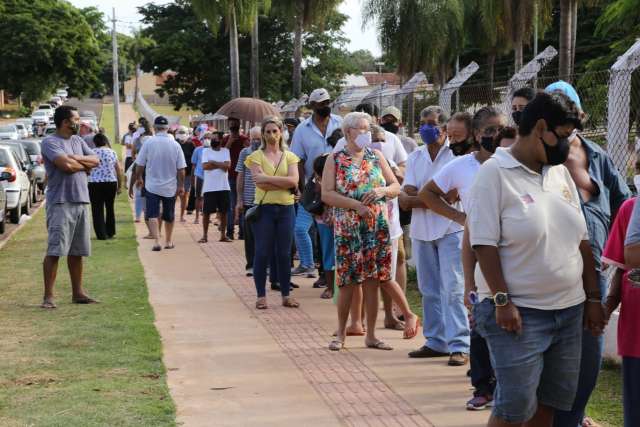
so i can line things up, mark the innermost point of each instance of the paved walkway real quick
(231, 365)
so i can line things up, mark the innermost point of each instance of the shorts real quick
(199, 184)
(216, 201)
(327, 245)
(541, 364)
(69, 229)
(187, 184)
(152, 209)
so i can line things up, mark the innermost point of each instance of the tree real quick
(363, 60)
(56, 47)
(263, 6)
(136, 51)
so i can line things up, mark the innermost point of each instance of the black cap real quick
(291, 121)
(161, 121)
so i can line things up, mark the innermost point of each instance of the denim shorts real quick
(328, 247)
(152, 208)
(539, 365)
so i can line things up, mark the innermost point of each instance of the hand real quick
(467, 300)
(119, 190)
(460, 218)
(594, 318)
(297, 196)
(452, 197)
(131, 192)
(180, 192)
(373, 195)
(139, 183)
(364, 211)
(508, 318)
(403, 201)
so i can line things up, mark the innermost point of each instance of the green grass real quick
(605, 405)
(168, 110)
(106, 122)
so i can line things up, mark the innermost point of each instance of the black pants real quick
(249, 242)
(482, 376)
(103, 195)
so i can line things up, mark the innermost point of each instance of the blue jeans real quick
(327, 245)
(273, 227)
(590, 364)
(631, 391)
(152, 208)
(139, 201)
(304, 220)
(439, 270)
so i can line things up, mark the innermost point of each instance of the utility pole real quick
(535, 36)
(457, 90)
(116, 83)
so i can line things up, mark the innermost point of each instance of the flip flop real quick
(225, 240)
(379, 345)
(327, 294)
(290, 303)
(261, 304)
(336, 345)
(84, 300)
(156, 248)
(203, 240)
(399, 326)
(48, 304)
(148, 237)
(352, 334)
(171, 246)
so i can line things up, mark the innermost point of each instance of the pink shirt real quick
(629, 320)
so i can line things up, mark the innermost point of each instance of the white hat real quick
(319, 95)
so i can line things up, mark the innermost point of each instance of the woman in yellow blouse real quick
(275, 172)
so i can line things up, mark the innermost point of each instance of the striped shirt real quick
(249, 187)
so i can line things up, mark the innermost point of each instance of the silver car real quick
(22, 130)
(28, 124)
(33, 147)
(17, 186)
(9, 132)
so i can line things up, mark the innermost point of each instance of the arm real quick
(409, 198)
(301, 176)
(119, 175)
(212, 164)
(399, 172)
(594, 314)
(618, 189)
(468, 266)
(432, 196)
(240, 189)
(332, 198)
(390, 191)
(613, 299)
(68, 164)
(180, 175)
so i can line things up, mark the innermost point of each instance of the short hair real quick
(527, 93)
(319, 162)
(351, 120)
(62, 113)
(257, 130)
(506, 133)
(463, 117)
(369, 108)
(556, 109)
(376, 130)
(441, 116)
(100, 140)
(481, 116)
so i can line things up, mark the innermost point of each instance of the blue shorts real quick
(152, 208)
(327, 246)
(540, 365)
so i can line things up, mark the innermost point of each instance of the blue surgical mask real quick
(363, 140)
(255, 144)
(429, 133)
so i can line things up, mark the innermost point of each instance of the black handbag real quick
(312, 198)
(253, 213)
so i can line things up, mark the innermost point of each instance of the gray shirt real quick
(89, 140)
(633, 229)
(61, 186)
(162, 157)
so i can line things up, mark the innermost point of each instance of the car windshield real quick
(39, 113)
(4, 129)
(32, 148)
(4, 158)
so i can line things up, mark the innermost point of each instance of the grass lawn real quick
(168, 110)
(96, 365)
(605, 405)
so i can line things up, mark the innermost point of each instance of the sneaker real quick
(308, 272)
(293, 285)
(249, 272)
(458, 359)
(478, 403)
(424, 352)
(320, 283)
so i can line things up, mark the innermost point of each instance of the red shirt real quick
(629, 320)
(235, 146)
(196, 142)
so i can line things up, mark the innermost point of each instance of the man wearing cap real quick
(602, 190)
(291, 124)
(87, 133)
(163, 165)
(391, 121)
(310, 141)
(127, 141)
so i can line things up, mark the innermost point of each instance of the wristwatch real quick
(500, 299)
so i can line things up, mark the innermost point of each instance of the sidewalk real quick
(231, 365)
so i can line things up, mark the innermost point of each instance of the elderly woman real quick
(357, 181)
(104, 183)
(275, 173)
(536, 265)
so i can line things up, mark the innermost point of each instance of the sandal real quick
(261, 304)
(171, 246)
(203, 240)
(327, 294)
(290, 302)
(148, 237)
(397, 326)
(84, 300)
(336, 345)
(225, 240)
(48, 304)
(156, 248)
(379, 345)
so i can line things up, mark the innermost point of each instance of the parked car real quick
(4, 176)
(22, 130)
(47, 107)
(96, 95)
(49, 130)
(28, 124)
(56, 100)
(62, 93)
(25, 160)
(9, 132)
(33, 147)
(16, 186)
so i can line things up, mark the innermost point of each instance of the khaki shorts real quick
(69, 229)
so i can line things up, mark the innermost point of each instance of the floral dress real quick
(363, 246)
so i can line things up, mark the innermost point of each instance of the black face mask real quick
(557, 154)
(488, 143)
(323, 111)
(390, 127)
(516, 116)
(215, 142)
(234, 128)
(460, 148)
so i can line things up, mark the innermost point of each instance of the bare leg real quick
(75, 272)
(160, 226)
(183, 205)
(222, 216)
(344, 304)
(205, 227)
(168, 229)
(394, 291)
(50, 271)
(542, 418)
(356, 311)
(390, 319)
(370, 291)
(153, 230)
(198, 208)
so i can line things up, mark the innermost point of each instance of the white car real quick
(17, 186)
(28, 125)
(46, 107)
(55, 100)
(23, 132)
(41, 116)
(9, 132)
(62, 93)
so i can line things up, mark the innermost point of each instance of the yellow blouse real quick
(275, 197)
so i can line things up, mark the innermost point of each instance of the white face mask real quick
(285, 135)
(636, 182)
(376, 146)
(363, 140)
(207, 143)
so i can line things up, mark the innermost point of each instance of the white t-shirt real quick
(128, 142)
(459, 174)
(162, 157)
(215, 179)
(536, 222)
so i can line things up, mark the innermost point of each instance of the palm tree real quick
(568, 31)
(239, 15)
(264, 7)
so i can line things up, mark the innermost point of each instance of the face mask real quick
(556, 155)
(460, 148)
(255, 144)
(75, 128)
(285, 135)
(234, 128)
(390, 127)
(363, 140)
(181, 137)
(376, 146)
(323, 111)
(207, 143)
(215, 143)
(271, 139)
(516, 116)
(429, 133)
(636, 182)
(488, 143)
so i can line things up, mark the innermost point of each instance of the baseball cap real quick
(392, 111)
(161, 121)
(319, 95)
(565, 88)
(291, 121)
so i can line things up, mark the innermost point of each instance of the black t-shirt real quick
(187, 149)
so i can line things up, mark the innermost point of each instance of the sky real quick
(127, 14)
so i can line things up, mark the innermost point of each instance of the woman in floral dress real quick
(357, 181)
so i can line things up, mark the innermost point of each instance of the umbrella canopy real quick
(248, 109)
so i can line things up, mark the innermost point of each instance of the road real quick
(94, 105)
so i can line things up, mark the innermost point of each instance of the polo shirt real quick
(427, 225)
(536, 222)
(308, 142)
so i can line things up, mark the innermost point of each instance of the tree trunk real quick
(135, 92)
(574, 32)
(411, 106)
(255, 60)
(564, 56)
(492, 70)
(234, 56)
(297, 53)
(518, 29)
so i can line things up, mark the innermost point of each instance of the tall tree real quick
(263, 7)
(137, 48)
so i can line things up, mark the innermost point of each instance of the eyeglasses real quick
(378, 140)
(492, 130)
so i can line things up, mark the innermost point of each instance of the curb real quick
(9, 236)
